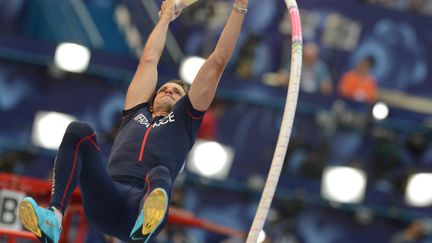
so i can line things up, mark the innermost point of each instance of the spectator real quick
(247, 56)
(358, 84)
(416, 6)
(315, 77)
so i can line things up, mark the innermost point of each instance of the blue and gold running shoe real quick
(40, 221)
(151, 216)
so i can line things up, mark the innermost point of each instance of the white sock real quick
(58, 215)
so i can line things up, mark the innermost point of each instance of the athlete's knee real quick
(75, 132)
(160, 173)
(81, 129)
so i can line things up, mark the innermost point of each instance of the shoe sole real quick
(155, 207)
(28, 218)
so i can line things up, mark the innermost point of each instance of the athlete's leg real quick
(103, 199)
(154, 205)
(78, 147)
(159, 177)
(77, 150)
(110, 206)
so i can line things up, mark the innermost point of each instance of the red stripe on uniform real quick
(94, 143)
(148, 187)
(74, 165)
(144, 142)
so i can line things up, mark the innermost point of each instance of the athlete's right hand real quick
(168, 10)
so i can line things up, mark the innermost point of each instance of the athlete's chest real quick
(143, 121)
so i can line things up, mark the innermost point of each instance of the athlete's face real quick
(167, 96)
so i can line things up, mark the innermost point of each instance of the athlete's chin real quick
(169, 103)
(167, 107)
(167, 100)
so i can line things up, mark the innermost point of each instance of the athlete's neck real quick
(159, 113)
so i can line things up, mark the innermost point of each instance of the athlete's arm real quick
(145, 79)
(204, 86)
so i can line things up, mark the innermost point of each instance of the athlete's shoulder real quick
(141, 110)
(135, 109)
(184, 105)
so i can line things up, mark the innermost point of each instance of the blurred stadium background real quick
(339, 146)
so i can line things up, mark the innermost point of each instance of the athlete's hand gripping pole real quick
(179, 6)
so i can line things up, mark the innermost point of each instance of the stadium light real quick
(72, 57)
(189, 68)
(210, 159)
(418, 193)
(380, 111)
(49, 128)
(262, 236)
(343, 184)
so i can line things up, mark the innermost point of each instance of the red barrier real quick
(14, 234)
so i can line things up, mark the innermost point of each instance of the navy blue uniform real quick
(113, 197)
(144, 142)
